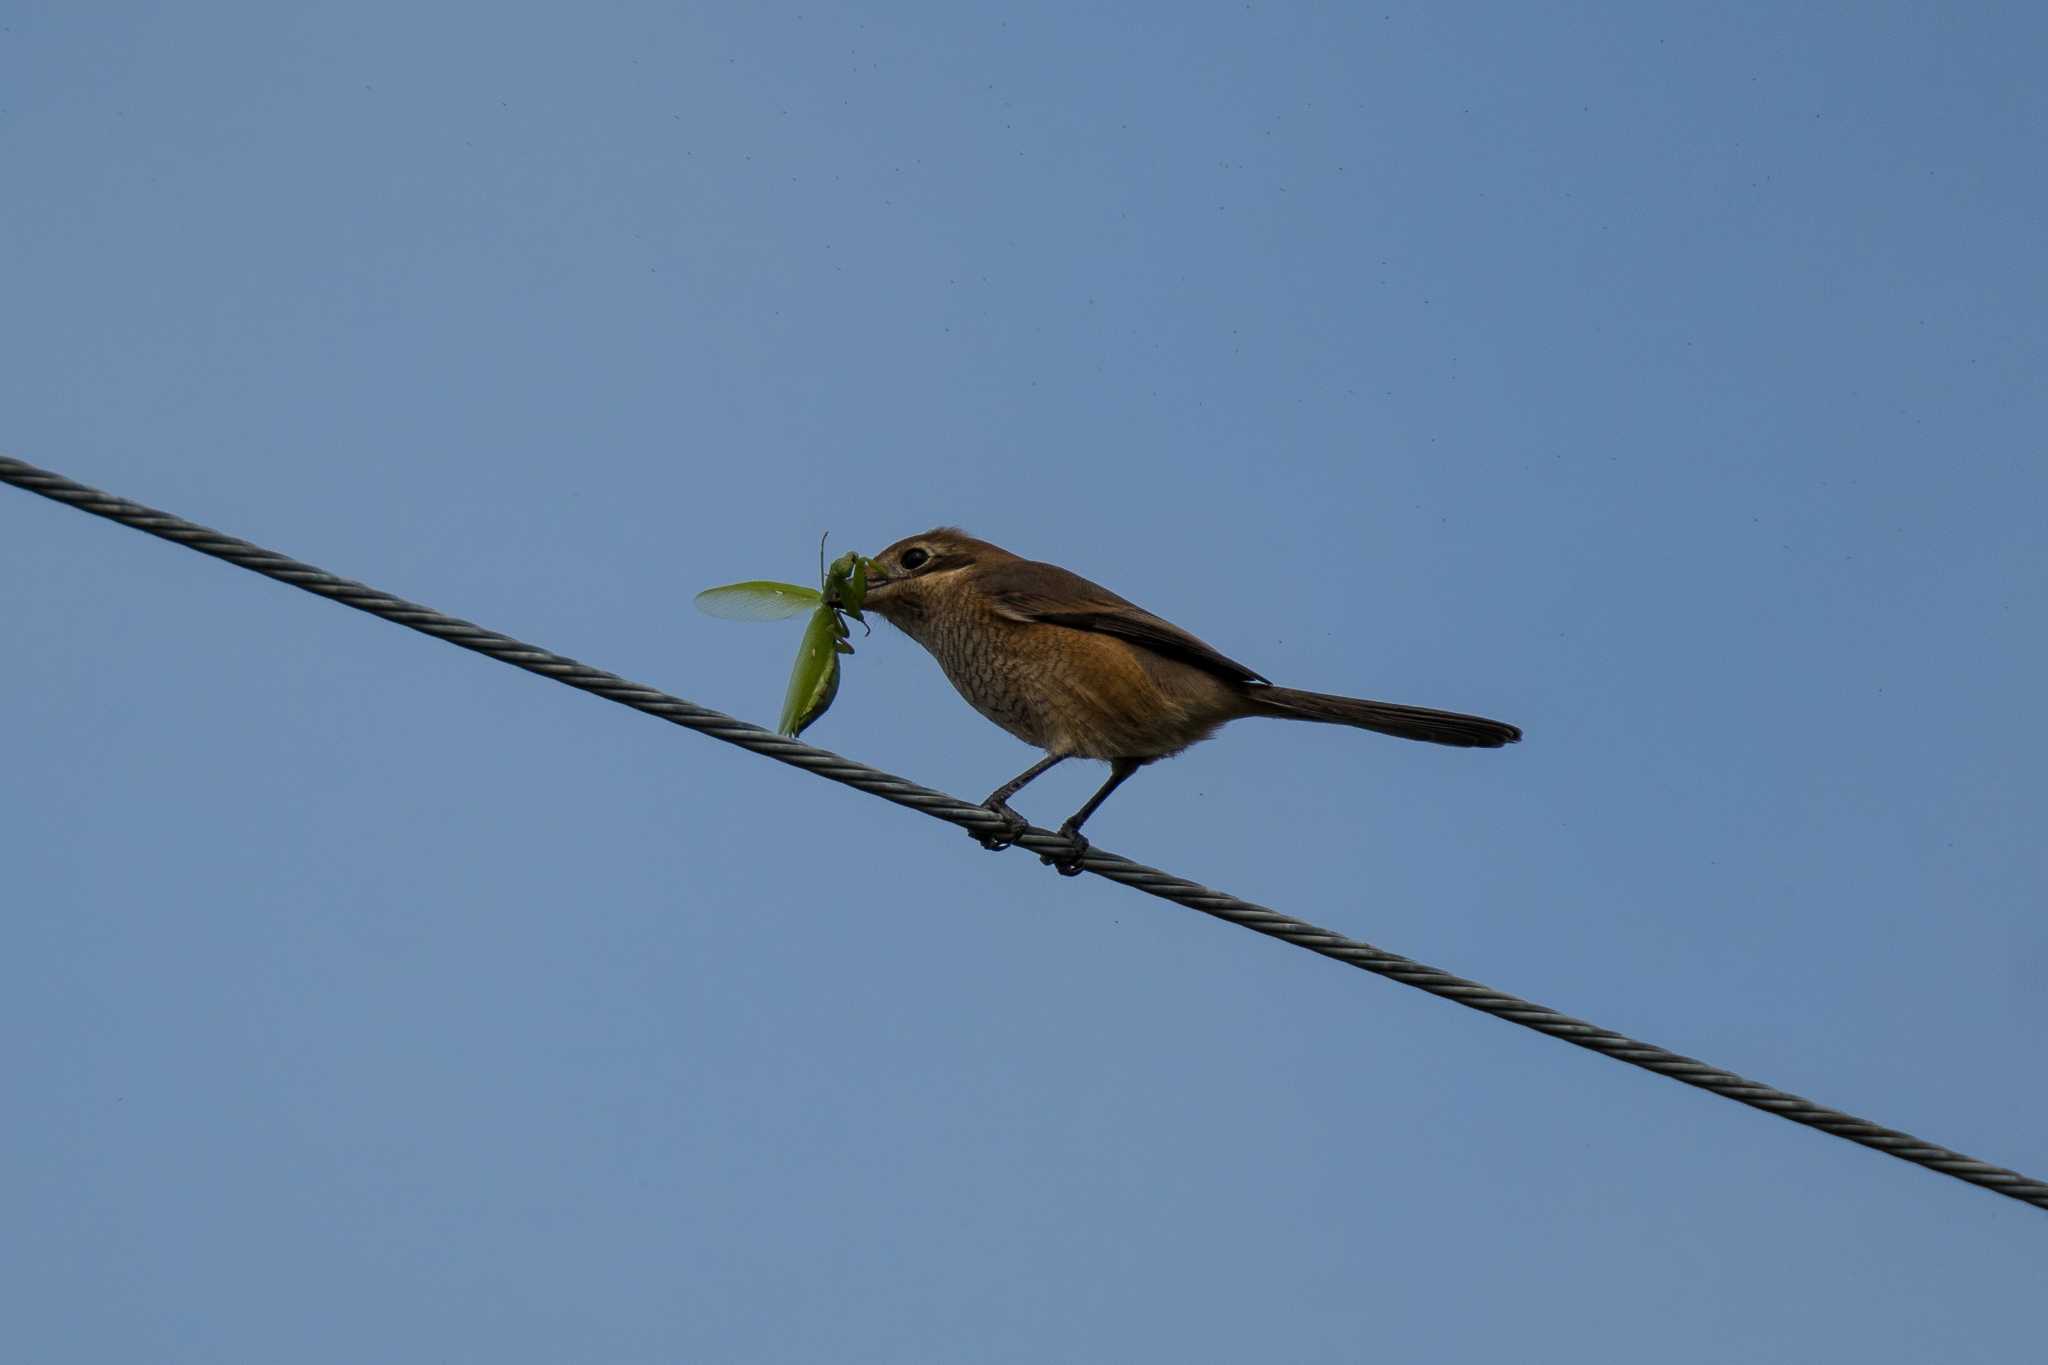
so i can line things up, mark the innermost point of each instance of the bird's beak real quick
(876, 598)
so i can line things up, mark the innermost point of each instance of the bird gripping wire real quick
(977, 819)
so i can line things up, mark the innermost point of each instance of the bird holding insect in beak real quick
(1068, 666)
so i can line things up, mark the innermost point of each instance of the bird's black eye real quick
(915, 556)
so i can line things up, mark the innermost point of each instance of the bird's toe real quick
(1014, 825)
(1067, 862)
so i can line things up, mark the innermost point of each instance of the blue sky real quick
(1666, 380)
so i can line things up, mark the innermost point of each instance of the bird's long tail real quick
(1387, 718)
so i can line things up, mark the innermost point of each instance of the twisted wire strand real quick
(903, 792)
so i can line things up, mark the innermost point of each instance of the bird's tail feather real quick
(1387, 718)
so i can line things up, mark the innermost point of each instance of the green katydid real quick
(814, 682)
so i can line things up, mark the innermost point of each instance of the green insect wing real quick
(757, 600)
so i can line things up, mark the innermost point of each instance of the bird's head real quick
(903, 579)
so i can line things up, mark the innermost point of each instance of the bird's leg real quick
(999, 802)
(1068, 864)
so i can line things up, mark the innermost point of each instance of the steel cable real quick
(939, 805)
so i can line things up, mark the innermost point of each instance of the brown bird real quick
(1070, 667)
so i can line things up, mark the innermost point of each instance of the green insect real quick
(814, 682)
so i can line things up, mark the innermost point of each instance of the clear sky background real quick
(1665, 379)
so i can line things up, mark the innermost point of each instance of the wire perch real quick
(952, 810)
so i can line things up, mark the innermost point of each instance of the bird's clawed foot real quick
(1017, 824)
(1067, 863)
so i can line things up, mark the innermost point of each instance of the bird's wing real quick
(1025, 590)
